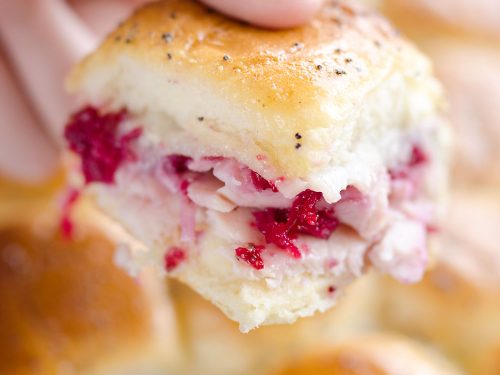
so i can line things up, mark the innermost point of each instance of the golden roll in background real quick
(64, 306)
(66, 309)
(457, 306)
(375, 354)
(462, 37)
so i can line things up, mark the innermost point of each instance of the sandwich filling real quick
(177, 199)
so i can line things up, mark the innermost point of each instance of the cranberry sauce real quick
(173, 257)
(176, 164)
(261, 183)
(251, 255)
(281, 226)
(94, 137)
(66, 224)
(417, 158)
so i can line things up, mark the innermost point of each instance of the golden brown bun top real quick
(283, 65)
(256, 88)
(64, 305)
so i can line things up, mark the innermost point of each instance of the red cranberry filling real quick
(251, 255)
(281, 226)
(261, 183)
(66, 224)
(94, 137)
(176, 164)
(173, 258)
(417, 158)
(214, 158)
(272, 223)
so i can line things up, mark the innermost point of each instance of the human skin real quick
(41, 39)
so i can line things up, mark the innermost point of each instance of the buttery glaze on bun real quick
(265, 169)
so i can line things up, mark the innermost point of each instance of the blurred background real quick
(66, 309)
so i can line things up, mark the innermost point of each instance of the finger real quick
(26, 154)
(269, 13)
(103, 16)
(43, 39)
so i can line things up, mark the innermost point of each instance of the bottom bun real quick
(213, 344)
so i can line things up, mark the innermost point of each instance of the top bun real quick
(241, 91)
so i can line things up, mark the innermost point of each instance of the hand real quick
(41, 39)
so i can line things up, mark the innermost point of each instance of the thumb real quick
(266, 13)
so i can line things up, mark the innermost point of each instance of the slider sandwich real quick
(265, 169)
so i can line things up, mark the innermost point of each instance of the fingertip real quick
(26, 153)
(42, 54)
(102, 16)
(271, 14)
